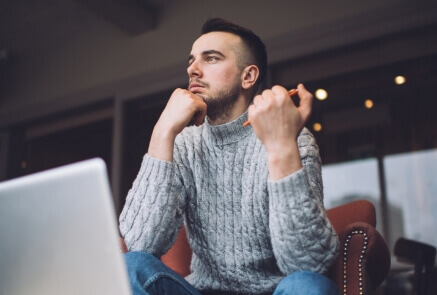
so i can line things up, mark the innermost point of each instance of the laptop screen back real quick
(58, 233)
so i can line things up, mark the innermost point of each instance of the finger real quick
(268, 95)
(257, 100)
(302, 90)
(196, 97)
(282, 94)
(200, 114)
(251, 112)
(279, 90)
(306, 101)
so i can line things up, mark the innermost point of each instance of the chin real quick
(203, 96)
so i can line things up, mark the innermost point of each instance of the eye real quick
(212, 58)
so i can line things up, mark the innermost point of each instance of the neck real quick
(226, 133)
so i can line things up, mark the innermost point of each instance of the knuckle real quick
(191, 102)
(276, 87)
(281, 100)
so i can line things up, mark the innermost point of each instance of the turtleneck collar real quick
(226, 133)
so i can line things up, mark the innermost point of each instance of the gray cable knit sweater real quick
(246, 231)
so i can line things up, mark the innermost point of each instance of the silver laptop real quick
(58, 234)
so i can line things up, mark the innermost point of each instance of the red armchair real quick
(363, 262)
(364, 259)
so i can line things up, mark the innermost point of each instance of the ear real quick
(249, 75)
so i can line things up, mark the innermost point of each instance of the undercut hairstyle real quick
(255, 47)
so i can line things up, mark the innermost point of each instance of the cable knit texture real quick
(246, 231)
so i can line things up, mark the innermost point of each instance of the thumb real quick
(305, 103)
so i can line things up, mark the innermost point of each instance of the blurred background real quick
(89, 78)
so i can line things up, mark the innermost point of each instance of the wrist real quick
(283, 161)
(278, 149)
(162, 144)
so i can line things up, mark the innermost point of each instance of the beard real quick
(220, 104)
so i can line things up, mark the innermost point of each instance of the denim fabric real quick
(306, 282)
(148, 275)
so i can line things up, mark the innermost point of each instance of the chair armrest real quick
(178, 258)
(123, 247)
(363, 262)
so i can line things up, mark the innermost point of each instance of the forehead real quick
(221, 41)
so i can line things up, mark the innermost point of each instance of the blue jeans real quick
(148, 275)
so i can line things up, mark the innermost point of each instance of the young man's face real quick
(213, 68)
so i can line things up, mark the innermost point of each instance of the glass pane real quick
(412, 196)
(350, 181)
(3, 155)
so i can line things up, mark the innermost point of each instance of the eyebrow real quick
(207, 52)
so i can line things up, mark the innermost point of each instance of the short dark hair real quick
(254, 44)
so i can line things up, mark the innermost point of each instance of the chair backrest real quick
(356, 211)
(178, 257)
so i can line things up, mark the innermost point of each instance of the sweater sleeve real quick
(153, 212)
(302, 236)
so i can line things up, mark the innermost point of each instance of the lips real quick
(195, 87)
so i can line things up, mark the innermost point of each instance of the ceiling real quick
(26, 25)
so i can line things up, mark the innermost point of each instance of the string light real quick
(368, 103)
(317, 127)
(321, 94)
(399, 80)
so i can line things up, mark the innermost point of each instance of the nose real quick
(193, 70)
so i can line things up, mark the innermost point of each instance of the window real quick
(411, 181)
(350, 181)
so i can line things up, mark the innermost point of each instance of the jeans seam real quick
(162, 275)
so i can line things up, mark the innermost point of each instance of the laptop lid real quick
(59, 235)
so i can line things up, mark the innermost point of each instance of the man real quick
(251, 196)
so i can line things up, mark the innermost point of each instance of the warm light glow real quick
(317, 127)
(399, 80)
(368, 103)
(23, 164)
(321, 94)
